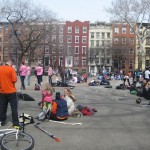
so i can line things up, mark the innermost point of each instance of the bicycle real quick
(15, 139)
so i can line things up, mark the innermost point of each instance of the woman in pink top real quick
(39, 73)
(50, 74)
(28, 75)
(22, 71)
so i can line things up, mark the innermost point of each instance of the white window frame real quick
(76, 51)
(116, 30)
(69, 39)
(69, 29)
(76, 39)
(60, 38)
(77, 29)
(116, 40)
(124, 30)
(124, 40)
(84, 50)
(83, 61)
(84, 29)
(84, 39)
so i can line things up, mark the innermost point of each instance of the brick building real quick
(123, 46)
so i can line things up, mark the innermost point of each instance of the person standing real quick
(147, 75)
(23, 71)
(39, 73)
(28, 75)
(8, 78)
(50, 74)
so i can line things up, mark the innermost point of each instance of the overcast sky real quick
(83, 10)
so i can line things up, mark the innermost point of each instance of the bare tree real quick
(133, 12)
(31, 26)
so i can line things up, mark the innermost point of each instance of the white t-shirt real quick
(147, 73)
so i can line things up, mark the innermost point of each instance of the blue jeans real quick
(22, 82)
(28, 80)
(4, 100)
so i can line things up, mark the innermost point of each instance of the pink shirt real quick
(23, 70)
(28, 71)
(39, 70)
(50, 71)
(47, 97)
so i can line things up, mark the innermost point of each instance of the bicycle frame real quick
(7, 131)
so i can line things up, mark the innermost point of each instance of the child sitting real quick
(47, 98)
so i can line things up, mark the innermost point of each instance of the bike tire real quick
(25, 141)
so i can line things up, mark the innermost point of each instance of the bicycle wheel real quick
(24, 142)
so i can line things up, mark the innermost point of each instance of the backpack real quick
(37, 87)
(27, 119)
(43, 115)
(25, 97)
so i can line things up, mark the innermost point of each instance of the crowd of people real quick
(60, 107)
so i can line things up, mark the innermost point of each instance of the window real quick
(69, 50)
(6, 39)
(54, 30)
(60, 38)
(76, 29)
(61, 30)
(92, 35)
(131, 41)
(92, 43)
(103, 35)
(83, 62)
(116, 30)
(84, 50)
(116, 40)
(97, 35)
(76, 61)
(84, 29)
(131, 52)
(124, 30)
(69, 39)
(54, 38)
(76, 50)
(69, 29)
(6, 30)
(131, 31)
(46, 49)
(97, 43)
(47, 39)
(76, 39)
(53, 49)
(123, 40)
(108, 60)
(103, 43)
(108, 35)
(60, 49)
(131, 63)
(84, 39)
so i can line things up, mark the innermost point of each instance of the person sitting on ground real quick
(59, 110)
(70, 99)
(126, 78)
(47, 94)
(74, 79)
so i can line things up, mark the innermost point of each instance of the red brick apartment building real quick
(76, 36)
(123, 47)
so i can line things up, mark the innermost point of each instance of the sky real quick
(82, 10)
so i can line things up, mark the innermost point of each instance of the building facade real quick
(124, 47)
(100, 54)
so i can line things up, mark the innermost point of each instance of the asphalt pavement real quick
(119, 123)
